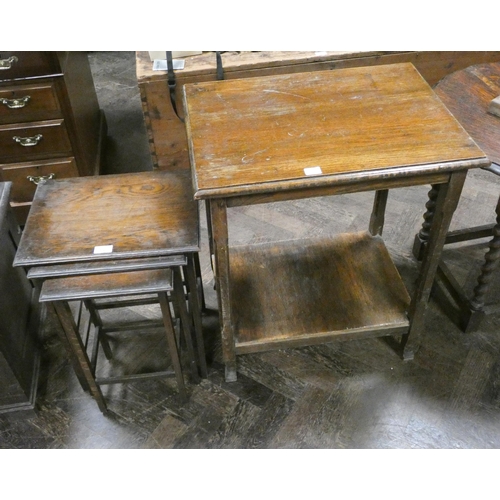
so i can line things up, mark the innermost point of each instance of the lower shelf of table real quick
(303, 292)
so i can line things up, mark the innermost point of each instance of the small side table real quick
(98, 224)
(467, 94)
(285, 137)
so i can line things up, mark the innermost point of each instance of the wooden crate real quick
(166, 132)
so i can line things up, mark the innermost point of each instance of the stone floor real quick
(345, 395)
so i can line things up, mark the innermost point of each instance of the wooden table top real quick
(467, 94)
(141, 214)
(267, 134)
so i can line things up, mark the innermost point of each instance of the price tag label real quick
(313, 171)
(103, 249)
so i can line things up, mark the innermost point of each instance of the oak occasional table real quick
(287, 137)
(467, 94)
(106, 224)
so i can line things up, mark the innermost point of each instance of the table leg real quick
(185, 321)
(378, 213)
(210, 233)
(74, 361)
(218, 215)
(423, 236)
(63, 312)
(491, 263)
(445, 203)
(95, 318)
(170, 335)
(199, 281)
(195, 306)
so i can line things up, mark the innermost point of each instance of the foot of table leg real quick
(231, 372)
(418, 247)
(408, 354)
(473, 321)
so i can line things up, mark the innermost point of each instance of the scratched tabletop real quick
(255, 134)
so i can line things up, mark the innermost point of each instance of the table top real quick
(134, 215)
(467, 94)
(266, 134)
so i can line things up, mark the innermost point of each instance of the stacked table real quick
(107, 224)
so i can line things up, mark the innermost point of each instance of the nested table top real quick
(273, 133)
(467, 94)
(107, 217)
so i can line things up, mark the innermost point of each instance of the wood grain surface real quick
(334, 287)
(340, 395)
(467, 94)
(106, 285)
(141, 214)
(246, 135)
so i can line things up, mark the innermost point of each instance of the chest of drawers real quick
(51, 125)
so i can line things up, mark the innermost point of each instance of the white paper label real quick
(161, 64)
(313, 171)
(103, 249)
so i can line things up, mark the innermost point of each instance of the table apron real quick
(353, 187)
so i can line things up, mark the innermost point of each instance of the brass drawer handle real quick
(40, 179)
(16, 103)
(28, 141)
(7, 63)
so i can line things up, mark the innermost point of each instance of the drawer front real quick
(24, 142)
(24, 176)
(18, 65)
(22, 103)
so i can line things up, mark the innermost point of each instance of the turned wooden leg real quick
(422, 237)
(491, 263)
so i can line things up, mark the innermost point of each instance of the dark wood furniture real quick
(467, 94)
(167, 135)
(165, 284)
(50, 121)
(108, 224)
(19, 320)
(284, 137)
